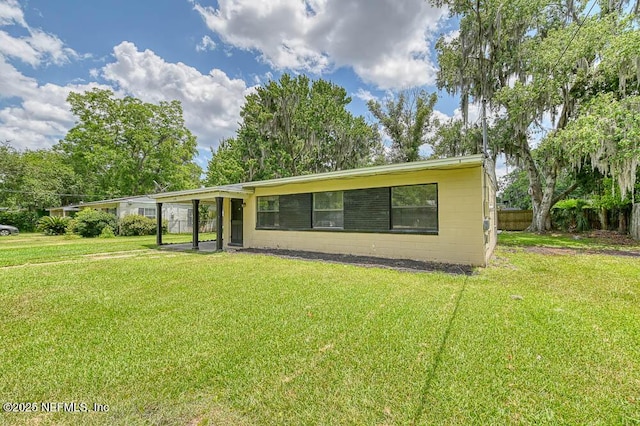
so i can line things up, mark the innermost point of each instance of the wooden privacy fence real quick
(514, 220)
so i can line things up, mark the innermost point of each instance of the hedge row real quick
(93, 223)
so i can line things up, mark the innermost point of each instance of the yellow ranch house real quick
(440, 210)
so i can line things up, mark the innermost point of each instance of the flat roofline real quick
(70, 208)
(202, 193)
(243, 190)
(133, 199)
(444, 163)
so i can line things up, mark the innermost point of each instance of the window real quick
(328, 210)
(295, 211)
(414, 207)
(189, 217)
(411, 209)
(147, 212)
(269, 212)
(367, 209)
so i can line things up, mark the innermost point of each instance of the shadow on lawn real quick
(431, 373)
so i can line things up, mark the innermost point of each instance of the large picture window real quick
(414, 207)
(269, 212)
(328, 210)
(410, 209)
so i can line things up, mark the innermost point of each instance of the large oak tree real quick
(291, 127)
(123, 146)
(532, 60)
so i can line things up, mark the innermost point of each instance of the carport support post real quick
(218, 223)
(159, 224)
(196, 224)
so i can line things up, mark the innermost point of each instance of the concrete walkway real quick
(204, 246)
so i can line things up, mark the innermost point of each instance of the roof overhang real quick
(202, 194)
(245, 190)
(65, 209)
(389, 169)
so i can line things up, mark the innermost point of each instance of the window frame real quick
(421, 230)
(272, 211)
(310, 214)
(314, 210)
(144, 212)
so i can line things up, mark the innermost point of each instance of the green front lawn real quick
(38, 248)
(188, 338)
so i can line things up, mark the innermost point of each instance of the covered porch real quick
(229, 201)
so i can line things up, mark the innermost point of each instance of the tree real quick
(530, 60)
(407, 121)
(10, 169)
(36, 180)
(121, 146)
(454, 138)
(514, 190)
(226, 165)
(607, 135)
(292, 127)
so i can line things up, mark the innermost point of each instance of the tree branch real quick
(564, 193)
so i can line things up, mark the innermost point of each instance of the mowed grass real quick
(188, 338)
(38, 248)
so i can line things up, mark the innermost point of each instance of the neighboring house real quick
(179, 216)
(437, 210)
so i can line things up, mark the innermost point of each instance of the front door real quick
(236, 221)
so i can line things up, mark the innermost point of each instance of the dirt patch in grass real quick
(611, 243)
(367, 261)
(558, 251)
(613, 238)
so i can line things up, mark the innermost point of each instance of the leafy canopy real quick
(406, 120)
(35, 180)
(291, 127)
(123, 146)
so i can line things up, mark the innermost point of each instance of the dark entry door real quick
(236, 221)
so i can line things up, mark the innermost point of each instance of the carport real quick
(234, 195)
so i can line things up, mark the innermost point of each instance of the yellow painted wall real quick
(461, 238)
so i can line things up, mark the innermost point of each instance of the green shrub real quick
(135, 225)
(90, 223)
(107, 232)
(53, 225)
(571, 215)
(25, 221)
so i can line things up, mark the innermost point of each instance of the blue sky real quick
(208, 54)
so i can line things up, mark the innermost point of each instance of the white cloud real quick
(11, 13)
(13, 83)
(38, 47)
(386, 42)
(260, 79)
(206, 44)
(37, 116)
(365, 95)
(42, 117)
(18, 48)
(451, 35)
(211, 102)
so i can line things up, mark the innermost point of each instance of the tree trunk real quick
(622, 222)
(634, 229)
(603, 219)
(541, 209)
